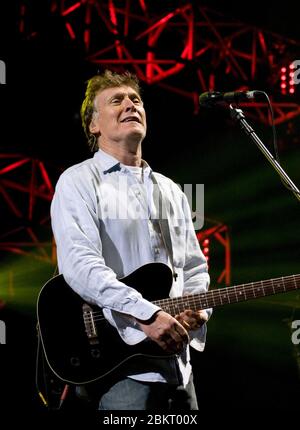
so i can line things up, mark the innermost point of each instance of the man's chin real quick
(135, 136)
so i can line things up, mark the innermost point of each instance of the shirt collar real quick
(110, 164)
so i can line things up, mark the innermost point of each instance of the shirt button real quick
(156, 250)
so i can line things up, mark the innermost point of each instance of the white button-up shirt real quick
(105, 226)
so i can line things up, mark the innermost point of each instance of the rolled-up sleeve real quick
(195, 274)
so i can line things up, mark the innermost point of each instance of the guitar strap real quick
(162, 210)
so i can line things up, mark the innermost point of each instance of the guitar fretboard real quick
(228, 295)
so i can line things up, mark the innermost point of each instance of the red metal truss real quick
(186, 49)
(26, 190)
(218, 233)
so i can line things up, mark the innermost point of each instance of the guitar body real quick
(72, 355)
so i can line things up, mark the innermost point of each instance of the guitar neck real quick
(228, 295)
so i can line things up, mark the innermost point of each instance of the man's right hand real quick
(166, 331)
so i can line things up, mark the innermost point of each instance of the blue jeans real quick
(129, 394)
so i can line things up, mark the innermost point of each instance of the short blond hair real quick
(95, 85)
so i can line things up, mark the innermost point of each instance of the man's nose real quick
(129, 105)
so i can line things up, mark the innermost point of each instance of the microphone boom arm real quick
(238, 115)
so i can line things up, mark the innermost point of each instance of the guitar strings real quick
(246, 288)
(207, 299)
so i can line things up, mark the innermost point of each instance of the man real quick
(107, 223)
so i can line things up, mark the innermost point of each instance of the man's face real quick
(120, 115)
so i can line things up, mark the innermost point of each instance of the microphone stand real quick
(238, 115)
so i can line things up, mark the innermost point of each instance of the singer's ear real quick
(94, 127)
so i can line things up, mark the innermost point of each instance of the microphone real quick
(212, 97)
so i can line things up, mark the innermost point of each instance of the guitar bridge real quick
(89, 323)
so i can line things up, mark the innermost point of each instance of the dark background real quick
(250, 362)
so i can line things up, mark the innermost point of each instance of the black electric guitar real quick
(80, 346)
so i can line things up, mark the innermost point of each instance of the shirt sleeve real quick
(195, 274)
(75, 225)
